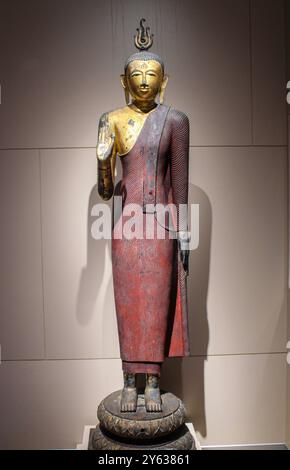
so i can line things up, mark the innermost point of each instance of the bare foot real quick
(129, 399)
(152, 394)
(129, 393)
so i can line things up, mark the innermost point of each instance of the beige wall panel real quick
(269, 72)
(56, 73)
(78, 292)
(205, 47)
(288, 335)
(65, 71)
(45, 404)
(288, 374)
(288, 404)
(288, 409)
(237, 291)
(287, 12)
(21, 300)
(232, 399)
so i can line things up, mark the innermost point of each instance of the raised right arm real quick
(106, 157)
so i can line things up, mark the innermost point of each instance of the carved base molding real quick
(141, 429)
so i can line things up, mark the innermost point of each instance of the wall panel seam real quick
(251, 71)
(47, 359)
(190, 146)
(41, 253)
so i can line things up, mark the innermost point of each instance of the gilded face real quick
(144, 79)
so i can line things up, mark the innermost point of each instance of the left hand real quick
(184, 255)
(183, 241)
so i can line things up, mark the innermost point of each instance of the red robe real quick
(148, 275)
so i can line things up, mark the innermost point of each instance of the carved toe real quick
(128, 400)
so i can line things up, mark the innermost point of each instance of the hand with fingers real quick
(183, 241)
(105, 146)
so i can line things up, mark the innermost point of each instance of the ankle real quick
(152, 380)
(129, 380)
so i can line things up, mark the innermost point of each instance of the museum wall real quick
(59, 71)
(288, 321)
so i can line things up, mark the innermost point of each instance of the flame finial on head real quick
(143, 39)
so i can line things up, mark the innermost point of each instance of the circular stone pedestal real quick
(141, 429)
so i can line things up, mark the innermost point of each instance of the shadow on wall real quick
(185, 376)
(91, 286)
(182, 376)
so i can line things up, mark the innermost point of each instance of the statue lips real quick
(144, 89)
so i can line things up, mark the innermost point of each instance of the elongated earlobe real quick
(161, 96)
(127, 96)
(126, 89)
(162, 89)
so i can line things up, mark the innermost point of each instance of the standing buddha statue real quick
(149, 273)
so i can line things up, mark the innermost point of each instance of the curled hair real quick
(144, 55)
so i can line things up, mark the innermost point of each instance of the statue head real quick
(144, 76)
